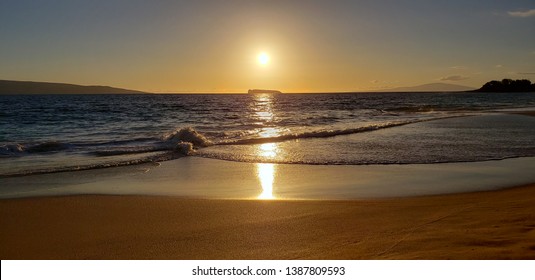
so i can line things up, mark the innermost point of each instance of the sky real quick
(313, 46)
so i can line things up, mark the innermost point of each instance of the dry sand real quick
(483, 225)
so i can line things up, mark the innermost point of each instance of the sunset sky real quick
(313, 46)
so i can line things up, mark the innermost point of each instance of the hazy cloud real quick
(458, 67)
(528, 13)
(454, 78)
(526, 73)
(499, 66)
(374, 81)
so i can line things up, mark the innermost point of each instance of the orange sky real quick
(314, 46)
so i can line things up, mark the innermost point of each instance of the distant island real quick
(263, 91)
(508, 85)
(26, 87)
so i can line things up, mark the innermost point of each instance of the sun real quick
(263, 58)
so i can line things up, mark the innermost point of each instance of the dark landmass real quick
(433, 87)
(263, 91)
(508, 85)
(25, 87)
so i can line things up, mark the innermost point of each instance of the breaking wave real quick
(178, 143)
(323, 133)
(46, 147)
(187, 135)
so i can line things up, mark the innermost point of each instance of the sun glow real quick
(263, 58)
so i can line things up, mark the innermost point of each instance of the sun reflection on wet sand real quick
(266, 175)
(266, 171)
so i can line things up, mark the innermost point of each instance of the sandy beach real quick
(481, 225)
(204, 208)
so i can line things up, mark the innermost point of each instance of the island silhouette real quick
(263, 91)
(508, 85)
(29, 87)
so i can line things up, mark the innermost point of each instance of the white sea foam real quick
(321, 133)
(187, 134)
(184, 148)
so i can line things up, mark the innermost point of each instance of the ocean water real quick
(53, 133)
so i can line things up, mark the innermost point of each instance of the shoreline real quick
(195, 177)
(479, 225)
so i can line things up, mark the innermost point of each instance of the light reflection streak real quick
(269, 132)
(266, 174)
(263, 108)
(268, 150)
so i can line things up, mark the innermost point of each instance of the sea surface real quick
(54, 133)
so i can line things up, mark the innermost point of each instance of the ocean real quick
(54, 133)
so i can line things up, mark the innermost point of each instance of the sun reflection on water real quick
(262, 106)
(268, 150)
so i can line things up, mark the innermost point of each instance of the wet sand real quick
(195, 177)
(525, 113)
(481, 225)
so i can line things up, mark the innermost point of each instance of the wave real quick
(48, 147)
(187, 135)
(414, 109)
(59, 169)
(433, 108)
(18, 149)
(119, 142)
(321, 133)
(11, 149)
(178, 143)
(184, 141)
(120, 152)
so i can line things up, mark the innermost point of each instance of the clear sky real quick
(213, 46)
